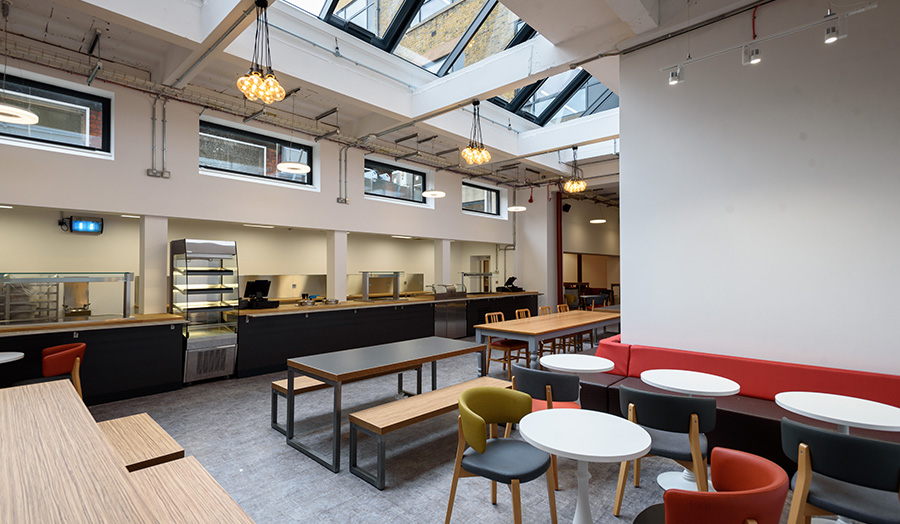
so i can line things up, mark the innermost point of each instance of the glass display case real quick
(204, 279)
(28, 298)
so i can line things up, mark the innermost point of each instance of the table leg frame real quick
(335, 463)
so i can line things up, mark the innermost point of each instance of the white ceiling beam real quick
(640, 15)
(226, 26)
(512, 69)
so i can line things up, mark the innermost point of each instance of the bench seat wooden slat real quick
(140, 441)
(407, 411)
(302, 384)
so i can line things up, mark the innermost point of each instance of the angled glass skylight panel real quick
(435, 30)
(591, 98)
(548, 91)
(492, 37)
(374, 16)
(313, 7)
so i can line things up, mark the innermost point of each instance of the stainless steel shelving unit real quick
(27, 298)
(204, 279)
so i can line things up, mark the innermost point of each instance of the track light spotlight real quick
(676, 76)
(831, 34)
(751, 56)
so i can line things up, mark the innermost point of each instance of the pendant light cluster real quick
(475, 152)
(259, 83)
(576, 184)
(9, 113)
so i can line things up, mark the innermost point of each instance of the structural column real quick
(337, 265)
(152, 292)
(442, 261)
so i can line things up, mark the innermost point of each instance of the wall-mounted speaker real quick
(566, 208)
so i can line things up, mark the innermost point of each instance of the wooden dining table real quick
(59, 468)
(545, 327)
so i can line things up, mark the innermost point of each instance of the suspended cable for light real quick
(289, 166)
(259, 82)
(576, 184)
(11, 114)
(475, 152)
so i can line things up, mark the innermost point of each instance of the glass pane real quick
(237, 151)
(591, 94)
(548, 91)
(435, 31)
(373, 15)
(313, 7)
(492, 37)
(480, 199)
(63, 118)
(393, 182)
(232, 155)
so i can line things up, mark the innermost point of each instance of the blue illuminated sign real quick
(87, 225)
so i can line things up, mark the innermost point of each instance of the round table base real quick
(840, 520)
(582, 504)
(677, 480)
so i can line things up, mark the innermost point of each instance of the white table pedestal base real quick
(677, 480)
(582, 504)
(840, 520)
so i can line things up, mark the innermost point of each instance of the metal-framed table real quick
(339, 367)
(544, 327)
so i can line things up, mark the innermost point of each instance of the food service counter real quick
(268, 337)
(125, 357)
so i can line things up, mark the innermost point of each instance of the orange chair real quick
(512, 349)
(749, 490)
(61, 362)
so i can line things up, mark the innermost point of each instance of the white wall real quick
(759, 204)
(580, 236)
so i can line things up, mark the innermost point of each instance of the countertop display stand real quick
(204, 280)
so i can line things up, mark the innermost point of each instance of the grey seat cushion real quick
(872, 506)
(673, 445)
(507, 459)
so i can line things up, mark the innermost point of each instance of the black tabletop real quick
(355, 363)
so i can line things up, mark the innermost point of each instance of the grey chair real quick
(677, 427)
(842, 474)
(548, 390)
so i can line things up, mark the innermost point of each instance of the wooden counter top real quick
(76, 325)
(354, 304)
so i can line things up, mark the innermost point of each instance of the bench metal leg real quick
(281, 428)
(377, 479)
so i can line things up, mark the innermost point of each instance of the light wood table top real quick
(56, 466)
(140, 441)
(544, 324)
(183, 491)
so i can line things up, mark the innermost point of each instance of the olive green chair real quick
(505, 460)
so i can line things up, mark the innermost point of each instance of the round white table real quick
(9, 356)
(575, 363)
(585, 436)
(841, 410)
(689, 383)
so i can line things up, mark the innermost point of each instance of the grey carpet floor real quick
(225, 425)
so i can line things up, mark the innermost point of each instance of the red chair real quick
(749, 490)
(59, 363)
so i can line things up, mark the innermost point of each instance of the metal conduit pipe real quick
(164, 173)
(153, 138)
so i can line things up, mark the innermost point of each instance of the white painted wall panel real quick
(759, 204)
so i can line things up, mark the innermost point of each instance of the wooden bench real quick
(183, 491)
(302, 384)
(140, 441)
(380, 420)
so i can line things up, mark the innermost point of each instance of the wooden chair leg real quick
(517, 502)
(801, 488)
(637, 473)
(555, 472)
(494, 492)
(552, 481)
(452, 493)
(620, 487)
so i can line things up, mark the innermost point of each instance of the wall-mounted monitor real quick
(86, 225)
